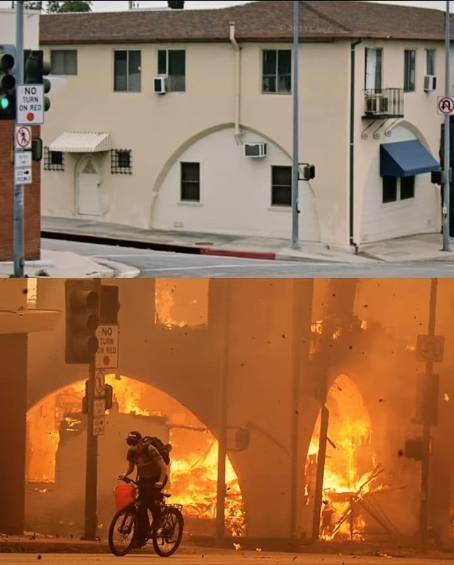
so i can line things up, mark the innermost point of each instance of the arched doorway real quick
(88, 186)
(56, 458)
(351, 471)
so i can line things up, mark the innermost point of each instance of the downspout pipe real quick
(237, 48)
(352, 146)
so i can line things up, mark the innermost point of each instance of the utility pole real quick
(321, 460)
(447, 156)
(91, 469)
(427, 421)
(223, 412)
(296, 128)
(18, 219)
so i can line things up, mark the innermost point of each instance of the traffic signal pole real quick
(18, 218)
(427, 423)
(447, 156)
(91, 468)
(296, 129)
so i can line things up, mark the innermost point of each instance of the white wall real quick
(235, 192)
(8, 28)
(374, 220)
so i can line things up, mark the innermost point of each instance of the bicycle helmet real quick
(133, 438)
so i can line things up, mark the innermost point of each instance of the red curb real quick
(242, 254)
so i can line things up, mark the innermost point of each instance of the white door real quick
(88, 187)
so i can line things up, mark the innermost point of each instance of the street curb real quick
(120, 270)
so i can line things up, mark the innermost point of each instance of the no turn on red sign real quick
(107, 354)
(30, 104)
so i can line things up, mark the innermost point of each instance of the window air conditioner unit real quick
(160, 85)
(376, 104)
(256, 150)
(430, 83)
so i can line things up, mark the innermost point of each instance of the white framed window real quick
(276, 71)
(127, 70)
(374, 69)
(409, 70)
(63, 61)
(430, 61)
(172, 63)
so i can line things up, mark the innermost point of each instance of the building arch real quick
(235, 191)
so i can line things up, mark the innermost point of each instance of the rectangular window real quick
(409, 70)
(127, 71)
(281, 186)
(172, 62)
(63, 62)
(121, 161)
(374, 69)
(430, 61)
(389, 189)
(190, 182)
(277, 70)
(407, 188)
(53, 160)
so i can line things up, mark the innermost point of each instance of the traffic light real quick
(109, 305)
(35, 70)
(37, 149)
(308, 171)
(7, 82)
(82, 319)
(108, 396)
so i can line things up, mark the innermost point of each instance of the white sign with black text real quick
(30, 104)
(107, 354)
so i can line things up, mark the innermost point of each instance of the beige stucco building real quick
(118, 151)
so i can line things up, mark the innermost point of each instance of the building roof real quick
(256, 21)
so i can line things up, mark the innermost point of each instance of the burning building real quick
(317, 392)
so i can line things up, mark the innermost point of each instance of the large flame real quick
(350, 460)
(193, 473)
(181, 303)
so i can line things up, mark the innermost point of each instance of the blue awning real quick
(406, 159)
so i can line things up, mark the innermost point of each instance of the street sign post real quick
(445, 105)
(107, 354)
(99, 407)
(23, 159)
(100, 382)
(99, 425)
(22, 175)
(23, 137)
(30, 104)
(430, 348)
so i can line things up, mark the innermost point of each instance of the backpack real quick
(164, 450)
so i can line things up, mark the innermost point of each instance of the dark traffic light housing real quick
(308, 171)
(110, 305)
(82, 319)
(35, 71)
(7, 82)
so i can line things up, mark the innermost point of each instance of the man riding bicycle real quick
(152, 472)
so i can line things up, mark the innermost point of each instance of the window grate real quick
(53, 160)
(121, 161)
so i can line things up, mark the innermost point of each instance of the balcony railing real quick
(384, 103)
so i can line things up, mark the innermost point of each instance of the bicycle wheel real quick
(167, 538)
(121, 530)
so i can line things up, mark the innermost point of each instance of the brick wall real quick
(32, 199)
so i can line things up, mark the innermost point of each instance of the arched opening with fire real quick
(56, 440)
(352, 479)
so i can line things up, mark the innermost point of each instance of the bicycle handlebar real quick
(127, 480)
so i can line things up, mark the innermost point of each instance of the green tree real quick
(33, 6)
(54, 6)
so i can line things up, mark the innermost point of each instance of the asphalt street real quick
(154, 264)
(245, 558)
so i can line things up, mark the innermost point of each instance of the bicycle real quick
(166, 536)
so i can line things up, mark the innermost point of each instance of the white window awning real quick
(75, 142)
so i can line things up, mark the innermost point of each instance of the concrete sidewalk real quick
(425, 247)
(70, 265)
